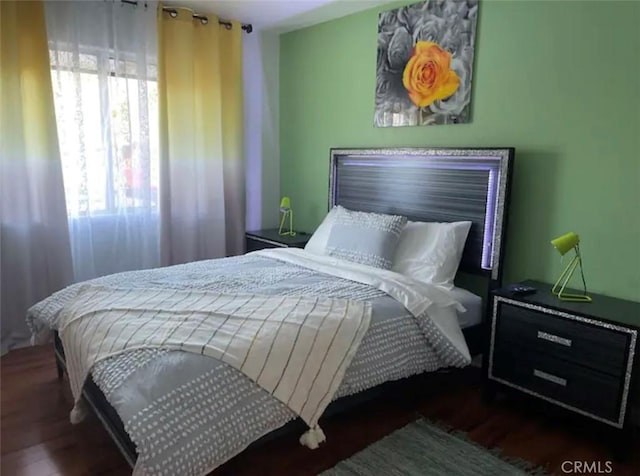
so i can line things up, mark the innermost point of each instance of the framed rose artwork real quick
(425, 63)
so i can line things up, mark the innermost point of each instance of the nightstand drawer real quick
(581, 343)
(571, 384)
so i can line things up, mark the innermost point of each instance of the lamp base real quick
(573, 297)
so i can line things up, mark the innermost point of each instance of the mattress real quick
(473, 304)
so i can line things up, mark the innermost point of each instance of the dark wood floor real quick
(37, 438)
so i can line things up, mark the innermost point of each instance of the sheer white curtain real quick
(103, 66)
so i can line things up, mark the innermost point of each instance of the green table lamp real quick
(563, 244)
(287, 215)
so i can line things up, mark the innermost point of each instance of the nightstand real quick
(578, 356)
(260, 239)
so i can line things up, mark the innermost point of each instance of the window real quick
(107, 123)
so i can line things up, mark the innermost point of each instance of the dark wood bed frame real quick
(443, 185)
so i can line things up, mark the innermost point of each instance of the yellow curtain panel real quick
(202, 201)
(28, 116)
(35, 258)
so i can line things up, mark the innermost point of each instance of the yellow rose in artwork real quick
(428, 75)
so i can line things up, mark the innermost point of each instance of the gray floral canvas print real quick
(425, 63)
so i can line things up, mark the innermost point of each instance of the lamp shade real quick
(566, 242)
(285, 203)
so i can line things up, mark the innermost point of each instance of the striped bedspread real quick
(295, 348)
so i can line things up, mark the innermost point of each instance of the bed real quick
(425, 185)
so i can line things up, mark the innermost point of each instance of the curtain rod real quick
(248, 27)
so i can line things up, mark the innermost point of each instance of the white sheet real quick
(473, 305)
(418, 297)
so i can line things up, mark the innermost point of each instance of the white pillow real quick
(317, 244)
(431, 252)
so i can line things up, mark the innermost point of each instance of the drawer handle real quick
(550, 378)
(554, 338)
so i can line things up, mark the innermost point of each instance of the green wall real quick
(560, 81)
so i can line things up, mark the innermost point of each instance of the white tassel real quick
(313, 437)
(79, 412)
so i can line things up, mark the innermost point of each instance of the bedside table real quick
(260, 239)
(578, 356)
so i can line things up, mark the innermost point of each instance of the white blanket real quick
(297, 349)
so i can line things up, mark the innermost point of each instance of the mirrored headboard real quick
(442, 185)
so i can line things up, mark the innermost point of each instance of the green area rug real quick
(424, 449)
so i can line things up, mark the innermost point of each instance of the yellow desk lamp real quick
(287, 214)
(563, 244)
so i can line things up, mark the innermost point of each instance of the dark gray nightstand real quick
(260, 239)
(578, 356)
